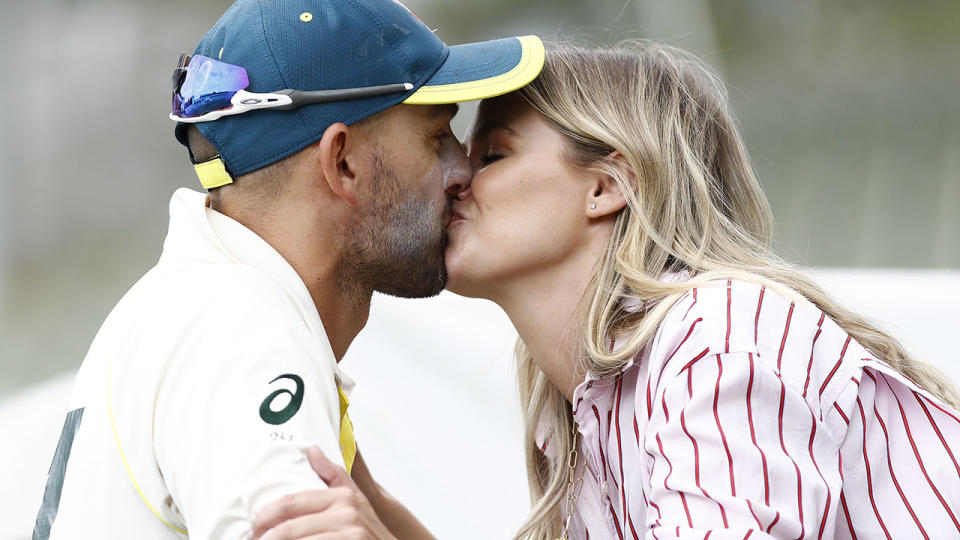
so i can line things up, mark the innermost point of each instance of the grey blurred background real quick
(848, 107)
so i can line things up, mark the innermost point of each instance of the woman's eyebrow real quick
(486, 128)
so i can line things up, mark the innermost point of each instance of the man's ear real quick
(335, 157)
(606, 197)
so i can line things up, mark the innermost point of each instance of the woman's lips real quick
(454, 218)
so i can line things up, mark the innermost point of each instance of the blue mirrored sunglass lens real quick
(201, 105)
(207, 86)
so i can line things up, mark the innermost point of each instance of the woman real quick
(699, 385)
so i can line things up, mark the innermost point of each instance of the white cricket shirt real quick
(198, 394)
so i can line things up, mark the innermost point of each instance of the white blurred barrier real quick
(436, 410)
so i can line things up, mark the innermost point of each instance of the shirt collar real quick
(200, 234)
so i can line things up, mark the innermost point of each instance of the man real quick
(321, 130)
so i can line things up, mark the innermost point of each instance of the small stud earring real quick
(593, 207)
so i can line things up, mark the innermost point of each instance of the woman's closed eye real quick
(490, 157)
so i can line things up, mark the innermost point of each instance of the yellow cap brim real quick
(525, 70)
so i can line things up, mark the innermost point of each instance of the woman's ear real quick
(606, 197)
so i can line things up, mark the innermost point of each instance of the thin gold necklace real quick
(573, 485)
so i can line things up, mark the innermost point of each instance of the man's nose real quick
(457, 173)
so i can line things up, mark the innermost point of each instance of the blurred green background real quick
(848, 107)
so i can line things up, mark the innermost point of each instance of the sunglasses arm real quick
(300, 98)
(282, 100)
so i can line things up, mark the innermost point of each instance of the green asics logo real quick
(276, 418)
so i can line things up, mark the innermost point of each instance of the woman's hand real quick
(340, 511)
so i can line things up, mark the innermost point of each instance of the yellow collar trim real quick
(348, 445)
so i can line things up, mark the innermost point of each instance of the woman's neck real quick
(546, 309)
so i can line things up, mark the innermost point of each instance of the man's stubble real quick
(398, 247)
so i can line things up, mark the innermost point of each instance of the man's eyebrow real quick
(485, 129)
(448, 109)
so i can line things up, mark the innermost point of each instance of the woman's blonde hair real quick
(693, 203)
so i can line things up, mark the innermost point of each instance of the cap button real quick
(306, 16)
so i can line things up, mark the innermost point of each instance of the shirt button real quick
(603, 488)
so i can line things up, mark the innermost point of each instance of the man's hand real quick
(341, 511)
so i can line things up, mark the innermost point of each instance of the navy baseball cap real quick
(309, 45)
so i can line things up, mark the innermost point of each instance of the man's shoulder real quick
(209, 280)
(232, 316)
(203, 297)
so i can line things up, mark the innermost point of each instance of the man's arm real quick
(357, 505)
(244, 395)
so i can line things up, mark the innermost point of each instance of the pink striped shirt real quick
(753, 416)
